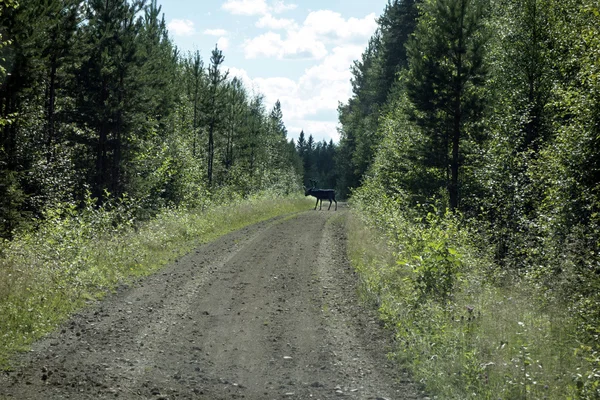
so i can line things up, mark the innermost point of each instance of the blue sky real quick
(299, 52)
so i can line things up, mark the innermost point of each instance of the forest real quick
(472, 143)
(118, 152)
(97, 102)
(469, 152)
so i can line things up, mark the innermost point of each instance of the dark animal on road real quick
(321, 194)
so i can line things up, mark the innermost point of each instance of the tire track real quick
(267, 312)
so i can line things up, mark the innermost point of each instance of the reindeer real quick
(320, 194)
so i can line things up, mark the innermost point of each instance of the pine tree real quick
(237, 109)
(308, 158)
(60, 34)
(277, 119)
(374, 78)
(108, 83)
(301, 143)
(251, 151)
(196, 87)
(35, 40)
(214, 106)
(158, 66)
(294, 158)
(396, 24)
(445, 78)
(277, 139)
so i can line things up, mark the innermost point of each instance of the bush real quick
(463, 327)
(75, 256)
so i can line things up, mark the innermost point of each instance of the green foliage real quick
(438, 265)
(96, 96)
(373, 83)
(319, 162)
(213, 106)
(462, 333)
(11, 203)
(117, 154)
(445, 80)
(401, 164)
(495, 114)
(76, 256)
(397, 23)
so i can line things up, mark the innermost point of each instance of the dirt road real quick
(267, 312)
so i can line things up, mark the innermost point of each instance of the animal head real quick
(307, 191)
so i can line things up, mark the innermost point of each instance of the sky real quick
(297, 51)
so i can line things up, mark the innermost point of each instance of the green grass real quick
(484, 340)
(75, 257)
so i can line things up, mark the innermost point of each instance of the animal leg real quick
(329, 205)
(316, 204)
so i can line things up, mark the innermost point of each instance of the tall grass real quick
(75, 256)
(475, 335)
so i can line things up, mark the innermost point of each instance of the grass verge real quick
(74, 257)
(472, 337)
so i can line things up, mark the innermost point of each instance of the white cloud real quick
(315, 94)
(267, 45)
(268, 21)
(215, 32)
(332, 24)
(310, 40)
(279, 7)
(240, 74)
(276, 88)
(223, 43)
(256, 7)
(310, 101)
(271, 44)
(181, 27)
(246, 7)
(334, 69)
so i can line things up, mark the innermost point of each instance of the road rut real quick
(267, 312)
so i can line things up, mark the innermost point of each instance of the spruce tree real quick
(214, 106)
(446, 75)
(277, 139)
(237, 109)
(397, 23)
(108, 95)
(196, 88)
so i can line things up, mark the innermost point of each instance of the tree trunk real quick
(116, 169)
(100, 164)
(50, 110)
(453, 188)
(211, 152)
(195, 123)
(457, 114)
(118, 147)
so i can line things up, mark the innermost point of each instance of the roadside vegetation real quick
(76, 256)
(119, 153)
(470, 147)
(462, 326)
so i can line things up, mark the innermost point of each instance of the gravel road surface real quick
(267, 312)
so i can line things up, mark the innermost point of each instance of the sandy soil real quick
(267, 312)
